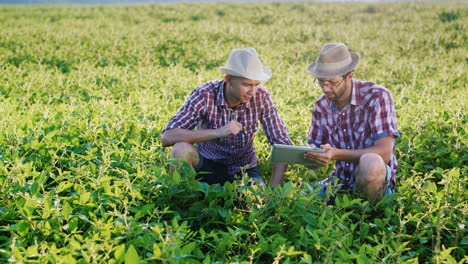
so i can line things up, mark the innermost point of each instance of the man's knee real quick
(371, 168)
(370, 159)
(186, 151)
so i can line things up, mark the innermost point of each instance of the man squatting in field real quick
(355, 121)
(226, 115)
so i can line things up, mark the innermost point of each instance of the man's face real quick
(334, 88)
(240, 90)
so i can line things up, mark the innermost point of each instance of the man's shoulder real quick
(262, 91)
(366, 87)
(321, 101)
(260, 97)
(208, 87)
(371, 94)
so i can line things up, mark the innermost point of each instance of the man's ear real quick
(351, 75)
(227, 79)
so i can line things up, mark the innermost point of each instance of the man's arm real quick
(172, 136)
(273, 126)
(277, 175)
(277, 133)
(382, 146)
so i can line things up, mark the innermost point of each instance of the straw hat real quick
(245, 63)
(334, 60)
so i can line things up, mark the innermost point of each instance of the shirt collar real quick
(220, 95)
(221, 101)
(355, 99)
(355, 94)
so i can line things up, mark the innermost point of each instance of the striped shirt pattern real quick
(370, 115)
(207, 109)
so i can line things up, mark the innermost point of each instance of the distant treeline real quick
(81, 2)
(105, 2)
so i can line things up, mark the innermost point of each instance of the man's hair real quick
(235, 77)
(348, 73)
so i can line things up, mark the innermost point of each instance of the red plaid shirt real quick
(206, 108)
(370, 115)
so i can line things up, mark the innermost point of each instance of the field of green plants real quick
(85, 92)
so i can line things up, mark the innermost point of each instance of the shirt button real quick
(348, 147)
(347, 164)
(344, 130)
(343, 114)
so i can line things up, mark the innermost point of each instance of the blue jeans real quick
(387, 191)
(213, 172)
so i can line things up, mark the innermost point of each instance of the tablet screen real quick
(292, 154)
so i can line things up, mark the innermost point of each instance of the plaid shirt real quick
(206, 108)
(370, 115)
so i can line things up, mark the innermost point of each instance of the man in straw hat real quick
(226, 114)
(355, 122)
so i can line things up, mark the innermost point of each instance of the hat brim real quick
(312, 69)
(263, 76)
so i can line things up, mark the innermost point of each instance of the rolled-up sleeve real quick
(383, 121)
(189, 114)
(317, 134)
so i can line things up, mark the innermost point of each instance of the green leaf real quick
(176, 177)
(66, 210)
(31, 251)
(156, 251)
(21, 227)
(28, 207)
(222, 212)
(119, 252)
(84, 197)
(207, 260)
(34, 188)
(187, 249)
(364, 230)
(73, 224)
(311, 219)
(445, 254)
(64, 186)
(292, 251)
(131, 256)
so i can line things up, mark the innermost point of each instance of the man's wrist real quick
(218, 132)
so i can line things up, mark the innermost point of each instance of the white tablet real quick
(292, 154)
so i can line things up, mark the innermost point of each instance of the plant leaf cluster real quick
(85, 92)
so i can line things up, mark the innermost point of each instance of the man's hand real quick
(173, 136)
(321, 158)
(231, 128)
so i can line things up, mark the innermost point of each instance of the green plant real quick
(84, 179)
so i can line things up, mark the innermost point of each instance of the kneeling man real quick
(226, 115)
(355, 121)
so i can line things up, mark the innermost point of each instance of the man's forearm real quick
(277, 175)
(382, 147)
(351, 156)
(173, 136)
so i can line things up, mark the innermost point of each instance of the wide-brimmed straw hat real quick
(245, 63)
(334, 60)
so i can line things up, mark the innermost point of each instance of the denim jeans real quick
(212, 172)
